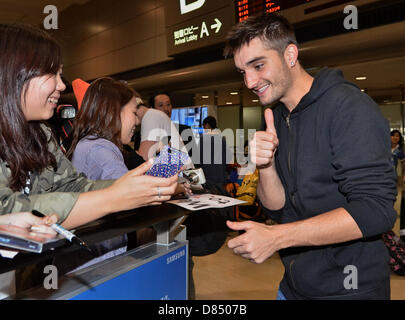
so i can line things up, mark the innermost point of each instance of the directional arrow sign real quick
(217, 25)
(202, 31)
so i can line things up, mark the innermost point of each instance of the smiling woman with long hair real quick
(106, 121)
(27, 56)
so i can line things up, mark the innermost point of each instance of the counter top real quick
(102, 229)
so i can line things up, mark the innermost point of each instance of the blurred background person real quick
(162, 100)
(156, 128)
(397, 151)
(214, 153)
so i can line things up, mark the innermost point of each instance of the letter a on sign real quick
(204, 30)
(51, 21)
(185, 8)
(352, 20)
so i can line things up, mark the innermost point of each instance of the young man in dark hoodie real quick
(325, 173)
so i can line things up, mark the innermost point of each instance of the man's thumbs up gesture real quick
(264, 143)
(259, 240)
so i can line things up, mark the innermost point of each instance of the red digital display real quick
(246, 8)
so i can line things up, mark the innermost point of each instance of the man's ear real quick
(291, 55)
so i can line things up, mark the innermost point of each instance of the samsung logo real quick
(176, 256)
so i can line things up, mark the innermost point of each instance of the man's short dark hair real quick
(155, 94)
(211, 121)
(273, 29)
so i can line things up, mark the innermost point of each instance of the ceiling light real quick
(255, 100)
(234, 93)
(361, 78)
(205, 97)
(229, 103)
(362, 90)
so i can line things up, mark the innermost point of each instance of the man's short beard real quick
(283, 84)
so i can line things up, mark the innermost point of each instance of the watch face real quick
(68, 113)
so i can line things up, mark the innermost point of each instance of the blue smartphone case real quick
(168, 162)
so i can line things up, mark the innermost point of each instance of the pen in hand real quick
(67, 234)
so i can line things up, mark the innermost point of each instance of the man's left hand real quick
(258, 243)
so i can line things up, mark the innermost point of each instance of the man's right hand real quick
(264, 143)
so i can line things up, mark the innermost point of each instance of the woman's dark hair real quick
(100, 112)
(211, 121)
(25, 53)
(273, 29)
(401, 138)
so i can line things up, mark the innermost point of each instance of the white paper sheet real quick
(205, 201)
(8, 253)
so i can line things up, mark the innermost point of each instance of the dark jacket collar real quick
(323, 81)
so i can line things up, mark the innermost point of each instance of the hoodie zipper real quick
(290, 145)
